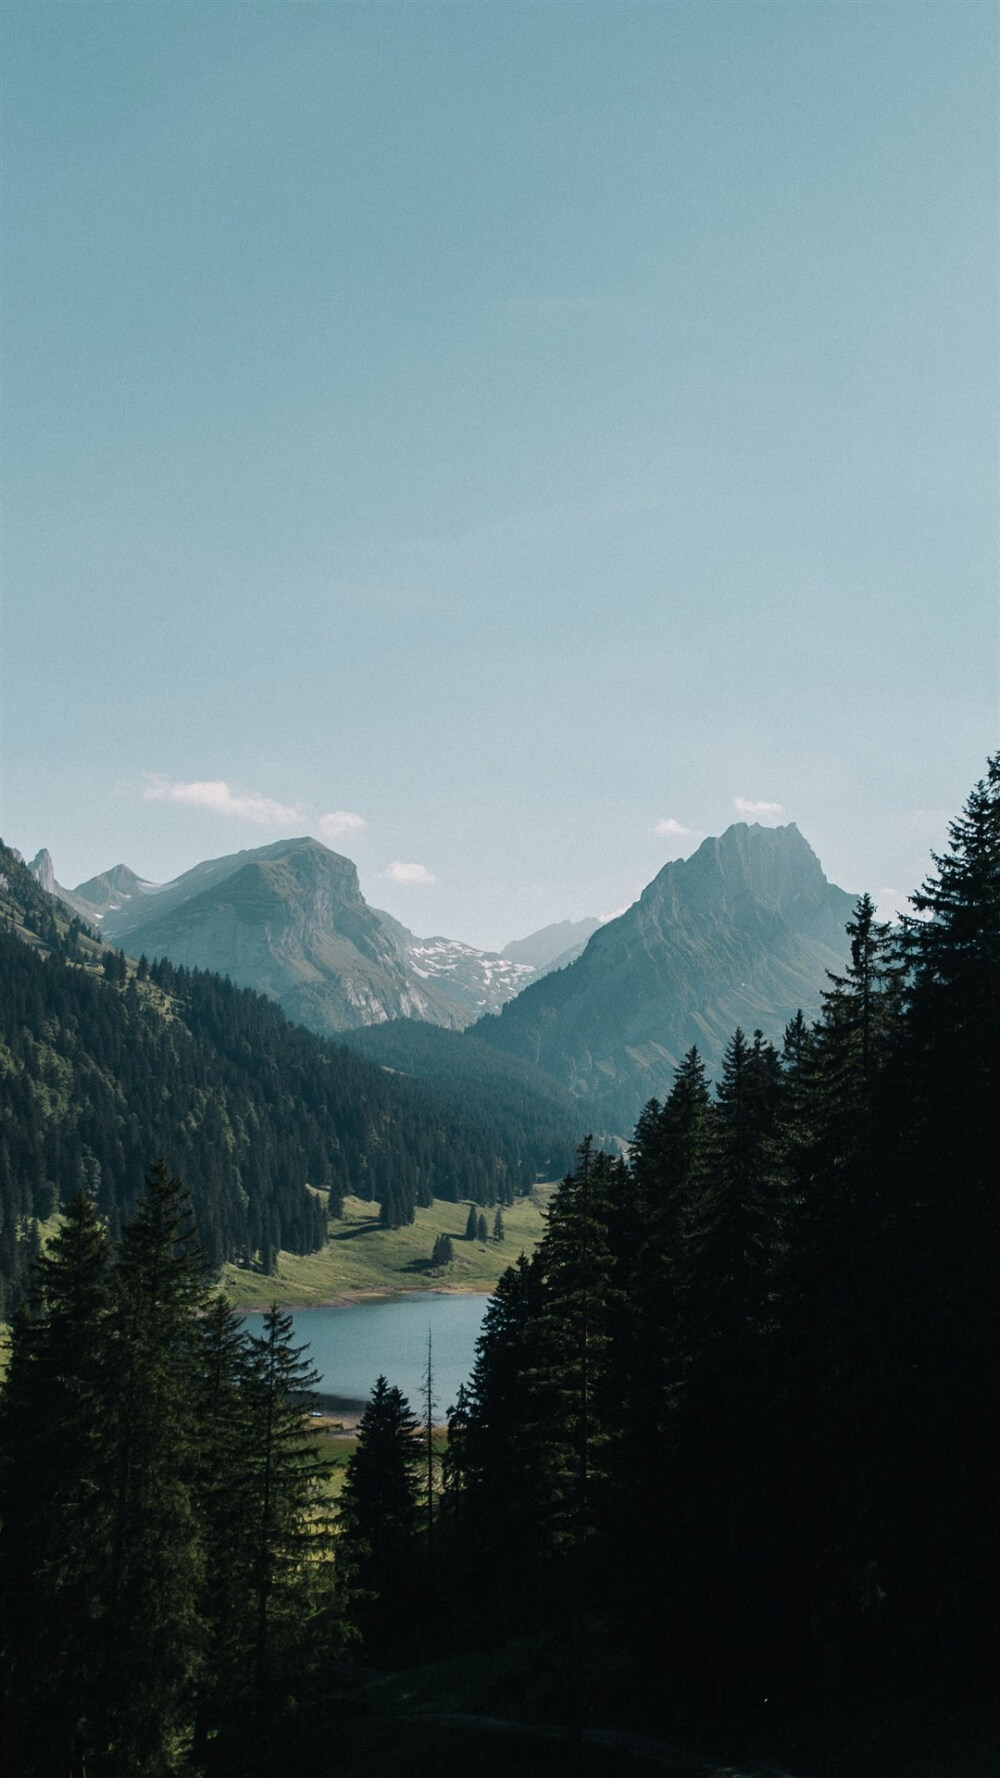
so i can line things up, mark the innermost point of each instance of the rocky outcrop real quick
(42, 871)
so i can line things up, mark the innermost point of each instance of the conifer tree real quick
(223, 1462)
(54, 1519)
(945, 1135)
(573, 1411)
(293, 1594)
(380, 1500)
(493, 1456)
(152, 1639)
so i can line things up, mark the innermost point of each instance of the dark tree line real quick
(167, 1589)
(740, 1414)
(103, 1063)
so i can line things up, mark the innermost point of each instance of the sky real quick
(508, 441)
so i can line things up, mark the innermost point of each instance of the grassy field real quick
(362, 1258)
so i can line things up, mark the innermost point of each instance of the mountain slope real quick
(104, 1066)
(496, 1091)
(742, 933)
(288, 920)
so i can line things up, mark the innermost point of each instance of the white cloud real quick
(745, 807)
(604, 918)
(338, 822)
(890, 903)
(674, 830)
(221, 799)
(408, 873)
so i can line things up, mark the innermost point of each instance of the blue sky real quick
(507, 440)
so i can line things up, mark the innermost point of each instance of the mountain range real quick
(741, 933)
(290, 920)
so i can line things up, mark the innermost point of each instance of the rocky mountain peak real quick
(42, 870)
(741, 933)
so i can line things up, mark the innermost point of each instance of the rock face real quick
(42, 871)
(288, 920)
(742, 933)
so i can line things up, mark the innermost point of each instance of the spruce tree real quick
(379, 1505)
(223, 1462)
(293, 1592)
(152, 1636)
(573, 1410)
(55, 1528)
(945, 1133)
(493, 1462)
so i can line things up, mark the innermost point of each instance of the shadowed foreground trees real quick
(379, 1509)
(164, 1555)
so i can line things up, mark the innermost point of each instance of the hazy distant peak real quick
(551, 943)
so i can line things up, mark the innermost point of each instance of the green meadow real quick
(360, 1257)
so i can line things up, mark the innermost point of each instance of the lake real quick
(351, 1346)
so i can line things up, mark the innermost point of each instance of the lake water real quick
(353, 1345)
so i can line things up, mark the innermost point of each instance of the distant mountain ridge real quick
(553, 946)
(741, 933)
(289, 920)
(476, 982)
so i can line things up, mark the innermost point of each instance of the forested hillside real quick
(106, 1065)
(502, 1094)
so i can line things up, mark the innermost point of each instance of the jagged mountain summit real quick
(108, 894)
(741, 933)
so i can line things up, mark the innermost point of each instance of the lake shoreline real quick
(349, 1346)
(346, 1299)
